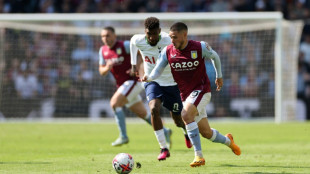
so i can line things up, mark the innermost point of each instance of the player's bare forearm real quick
(140, 66)
(133, 70)
(219, 83)
(104, 69)
(140, 73)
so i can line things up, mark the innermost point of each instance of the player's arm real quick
(133, 55)
(208, 52)
(140, 66)
(104, 67)
(159, 67)
(127, 49)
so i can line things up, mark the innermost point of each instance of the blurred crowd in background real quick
(69, 72)
(292, 9)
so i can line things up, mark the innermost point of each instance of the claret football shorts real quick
(131, 89)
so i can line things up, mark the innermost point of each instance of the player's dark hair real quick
(151, 23)
(110, 28)
(179, 26)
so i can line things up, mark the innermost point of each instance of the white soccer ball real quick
(123, 163)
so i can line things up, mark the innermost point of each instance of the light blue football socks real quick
(193, 134)
(120, 120)
(219, 138)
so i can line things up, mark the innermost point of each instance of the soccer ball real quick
(123, 163)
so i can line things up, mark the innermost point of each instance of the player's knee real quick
(186, 117)
(117, 103)
(114, 105)
(154, 104)
(155, 111)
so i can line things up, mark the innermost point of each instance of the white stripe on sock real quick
(191, 126)
(198, 153)
(118, 109)
(214, 134)
(227, 142)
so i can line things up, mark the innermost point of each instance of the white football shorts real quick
(131, 89)
(200, 101)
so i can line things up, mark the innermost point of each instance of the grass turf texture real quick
(86, 148)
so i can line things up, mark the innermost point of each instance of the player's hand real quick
(218, 83)
(145, 79)
(133, 71)
(109, 64)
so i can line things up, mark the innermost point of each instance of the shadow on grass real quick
(267, 173)
(288, 167)
(24, 162)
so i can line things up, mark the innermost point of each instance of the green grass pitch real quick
(78, 148)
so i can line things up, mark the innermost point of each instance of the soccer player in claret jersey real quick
(114, 56)
(186, 59)
(163, 90)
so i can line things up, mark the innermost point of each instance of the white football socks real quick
(160, 135)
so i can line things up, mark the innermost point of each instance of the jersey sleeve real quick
(160, 65)
(101, 59)
(208, 52)
(127, 46)
(133, 51)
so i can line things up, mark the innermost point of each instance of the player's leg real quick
(216, 137)
(191, 115)
(177, 118)
(135, 104)
(118, 100)
(155, 113)
(188, 114)
(159, 129)
(172, 101)
(139, 109)
(210, 133)
(153, 94)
